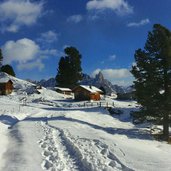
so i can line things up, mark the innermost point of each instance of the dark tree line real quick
(152, 74)
(69, 69)
(8, 69)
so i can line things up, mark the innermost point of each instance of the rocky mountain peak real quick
(99, 77)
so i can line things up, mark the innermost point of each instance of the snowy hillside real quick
(49, 131)
(19, 85)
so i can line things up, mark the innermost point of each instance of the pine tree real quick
(1, 58)
(103, 90)
(152, 74)
(62, 76)
(8, 69)
(69, 69)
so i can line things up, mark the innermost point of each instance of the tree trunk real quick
(166, 127)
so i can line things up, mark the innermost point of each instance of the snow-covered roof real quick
(4, 80)
(91, 89)
(63, 89)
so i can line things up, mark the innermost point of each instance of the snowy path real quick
(62, 152)
(55, 152)
(79, 139)
(59, 150)
(22, 153)
(14, 152)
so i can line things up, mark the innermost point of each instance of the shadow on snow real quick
(8, 120)
(130, 133)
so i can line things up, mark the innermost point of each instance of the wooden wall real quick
(83, 94)
(6, 88)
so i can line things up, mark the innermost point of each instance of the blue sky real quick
(106, 32)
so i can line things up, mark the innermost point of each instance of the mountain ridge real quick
(98, 81)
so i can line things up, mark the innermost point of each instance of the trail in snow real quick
(62, 152)
(58, 153)
(14, 153)
(22, 153)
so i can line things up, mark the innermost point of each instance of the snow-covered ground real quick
(48, 131)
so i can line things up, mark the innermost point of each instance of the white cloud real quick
(26, 54)
(112, 57)
(75, 18)
(93, 16)
(30, 65)
(12, 28)
(20, 51)
(95, 72)
(120, 7)
(116, 76)
(116, 73)
(140, 23)
(48, 52)
(17, 13)
(49, 36)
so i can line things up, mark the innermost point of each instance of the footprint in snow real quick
(47, 165)
(104, 151)
(46, 153)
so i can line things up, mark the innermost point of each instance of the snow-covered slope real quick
(49, 132)
(19, 85)
(28, 88)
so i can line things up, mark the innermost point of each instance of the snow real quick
(2, 80)
(63, 89)
(91, 89)
(46, 131)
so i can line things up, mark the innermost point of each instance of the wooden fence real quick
(99, 104)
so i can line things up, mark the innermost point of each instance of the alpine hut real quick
(6, 86)
(86, 92)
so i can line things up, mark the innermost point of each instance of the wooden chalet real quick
(6, 86)
(86, 92)
(61, 90)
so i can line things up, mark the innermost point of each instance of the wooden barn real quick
(86, 92)
(6, 86)
(66, 91)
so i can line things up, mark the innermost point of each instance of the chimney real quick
(90, 87)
